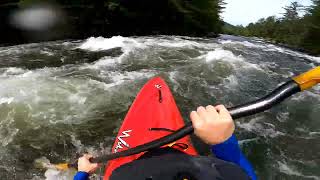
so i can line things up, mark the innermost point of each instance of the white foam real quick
(227, 56)
(47, 99)
(127, 46)
(245, 141)
(100, 43)
(258, 44)
(302, 96)
(77, 143)
(256, 126)
(65, 99)
(231, 82)
(6, 100)
(104, 62)
(292, 53)
(302, 55)
(46, 52)
(283, 116)
(290, 170)
(14, 70)
(178, 42)
(11, 71)
(220, 54)
(243, 43)
(121, 77)
(52, 174)
(270, 47)
(76, 98)
(314, 133)
(172, 77)
(7, 129)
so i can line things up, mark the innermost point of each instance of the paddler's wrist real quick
(228, 150)
(231, 140)
(81, 175)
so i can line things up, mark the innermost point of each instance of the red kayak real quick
(153, 114)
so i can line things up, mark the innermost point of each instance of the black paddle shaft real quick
(278, 95)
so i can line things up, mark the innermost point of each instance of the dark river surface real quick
(62, 98)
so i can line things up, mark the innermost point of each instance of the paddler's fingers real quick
(221, 108)
(223, 112)
(85, 165)
(212, 125)
(212, 111)
(202, 112)
(94, 167)
(87, 156)
(196, 120)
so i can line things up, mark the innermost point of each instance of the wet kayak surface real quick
(61, 98)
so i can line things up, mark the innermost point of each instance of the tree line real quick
(85, 18)
(291, 29)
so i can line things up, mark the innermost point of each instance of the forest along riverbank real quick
(298, 28)
(36, 20)
(66, 97)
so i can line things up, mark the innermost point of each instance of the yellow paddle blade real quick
(62, 166)
(44, 163)
(308, 79)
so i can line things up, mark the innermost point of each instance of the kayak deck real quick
(152, 115)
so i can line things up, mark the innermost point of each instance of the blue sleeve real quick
(81, 176)
(230, 151)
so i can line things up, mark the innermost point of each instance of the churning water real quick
(59, 99)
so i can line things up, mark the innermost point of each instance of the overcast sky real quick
(243, 12)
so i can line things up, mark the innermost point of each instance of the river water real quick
(59, 99)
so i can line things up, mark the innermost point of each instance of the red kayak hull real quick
(152, 115)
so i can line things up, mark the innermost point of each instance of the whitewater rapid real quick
(66, 97)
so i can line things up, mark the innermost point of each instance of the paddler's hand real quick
(85, 165)
(213, 125)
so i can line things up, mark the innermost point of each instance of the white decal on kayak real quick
(122, 142)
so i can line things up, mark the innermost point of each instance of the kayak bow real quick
(152, 115)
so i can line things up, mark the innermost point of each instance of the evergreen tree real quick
(297, 32)
(292, 11)
(139, 17)
(312, 39)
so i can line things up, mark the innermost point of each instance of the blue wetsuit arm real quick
(81, 176)
(231, 152)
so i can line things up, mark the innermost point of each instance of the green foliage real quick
(312, 37)
(295, 31)
(139, 17)
(23, 3)
(200, 15)
(292, 11)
